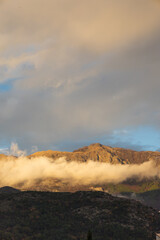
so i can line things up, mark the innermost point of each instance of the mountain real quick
(95, 152)
(143, 190)
(150, 198)
(8, 190)
(105, 154)
(102, 153)
(69, 216)
(6, 157)
(3, 156)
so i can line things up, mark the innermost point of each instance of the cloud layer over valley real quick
(25, 173)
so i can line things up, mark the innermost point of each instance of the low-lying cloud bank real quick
(25, 172)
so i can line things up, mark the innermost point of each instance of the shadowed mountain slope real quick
(69, 216)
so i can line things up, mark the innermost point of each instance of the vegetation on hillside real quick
(69, 216)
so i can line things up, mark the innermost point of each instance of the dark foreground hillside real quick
(67, 216)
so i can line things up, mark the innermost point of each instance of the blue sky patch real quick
(7, 85)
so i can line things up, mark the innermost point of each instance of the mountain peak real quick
(92, 146)
(102, 153)
(96, 145)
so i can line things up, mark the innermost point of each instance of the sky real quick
(77, 72)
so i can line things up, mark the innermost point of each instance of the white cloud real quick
(21, 172)
(15, 151)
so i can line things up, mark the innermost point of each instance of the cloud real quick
(24, 172)
(4, 150)
(81, 69)
(51, 34)
(87, 23)
(15, 151)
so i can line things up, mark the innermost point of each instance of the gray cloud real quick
(83, 69)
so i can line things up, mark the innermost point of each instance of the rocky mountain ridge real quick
(102, 153)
